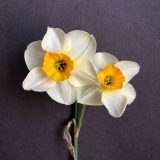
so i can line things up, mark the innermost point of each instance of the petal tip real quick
(24, 86)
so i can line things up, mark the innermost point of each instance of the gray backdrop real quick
(31, 123)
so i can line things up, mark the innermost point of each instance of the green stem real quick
(81, 110)
(75, 148)
(79, 114)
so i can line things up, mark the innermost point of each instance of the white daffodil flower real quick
(107, 83)
(52, 60)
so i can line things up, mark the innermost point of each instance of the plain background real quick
(31, 123)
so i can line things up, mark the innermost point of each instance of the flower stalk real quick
(79, 114)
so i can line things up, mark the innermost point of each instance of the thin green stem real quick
(75, 148)
(76, 110)
(79, 114)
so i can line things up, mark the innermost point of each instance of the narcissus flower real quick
(52, 61)
(106, 82)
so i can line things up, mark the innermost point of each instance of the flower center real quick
(111, 78)
(107, 80)
(57, 66)
(61, 65)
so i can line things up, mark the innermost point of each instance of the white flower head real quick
(106, 82)
(52, 61)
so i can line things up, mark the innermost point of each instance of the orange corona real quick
(111, 78)
(57, 66)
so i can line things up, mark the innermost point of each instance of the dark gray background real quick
(31, 123)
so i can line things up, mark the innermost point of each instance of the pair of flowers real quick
(67, 67)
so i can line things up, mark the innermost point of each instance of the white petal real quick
(36, 80)
(83, 74)
(82, 44)
(115, 103)
(63, 93)
(34, 55)
(102, 59)
(89, 95)
(128, 91)
(54, 40)
(128, 68)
